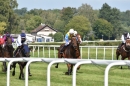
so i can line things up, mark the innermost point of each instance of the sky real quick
(122, 5)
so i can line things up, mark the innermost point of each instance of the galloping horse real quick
(7, 51)
(18, 54)
(124, 51)
(71, 51)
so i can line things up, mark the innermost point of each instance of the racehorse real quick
(124, 51)
(18, 54)
(7, 51)
(71, 51)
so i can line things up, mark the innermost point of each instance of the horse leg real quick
(14, 66)
(57, 65)
(21, 75)
(4, 69)
(128, 59)
(79, 65)
(69, 69)
(117, 54)
(122, 59)
(29, 71)
(59, 56)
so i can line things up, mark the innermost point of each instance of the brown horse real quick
(71, 51)
(79, 38)
(124, 51)
(7, 51)
(19, 53)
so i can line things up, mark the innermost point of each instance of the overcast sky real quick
(123, 5)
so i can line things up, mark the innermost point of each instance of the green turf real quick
(88, 75)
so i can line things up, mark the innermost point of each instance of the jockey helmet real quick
(75, 32)
(23, 35)
(7, 34)
(71, 31)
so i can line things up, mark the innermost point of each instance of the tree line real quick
(107, 23)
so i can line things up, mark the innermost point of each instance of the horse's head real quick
(8, 48)
(79, 38)
(74, 42)
(127, 44)
(8, 41)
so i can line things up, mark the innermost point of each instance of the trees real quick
(7, 13)
(58, 37)
(88, 12)
(21, 11)
(112, 15)
(2, 27)
(67, 14)
(34, 22)
(103, 27)
(79, 23)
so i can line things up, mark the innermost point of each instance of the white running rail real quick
(51, 51)
(52, 61)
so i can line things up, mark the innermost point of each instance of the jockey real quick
(5, 38)
(21, 43)
(125, 36)
(75, 33)
(1, 41)
(67, 39)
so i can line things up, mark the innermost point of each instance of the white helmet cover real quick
(75, 32)
(71, 31)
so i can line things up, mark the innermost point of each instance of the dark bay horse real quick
(19, 53)
(124, 51)
(7, 51)
(72, 51)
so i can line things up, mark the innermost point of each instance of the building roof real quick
(40, 27)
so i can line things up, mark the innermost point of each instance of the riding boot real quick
(62, 49)
(120, 45)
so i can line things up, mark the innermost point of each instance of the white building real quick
(42, 32)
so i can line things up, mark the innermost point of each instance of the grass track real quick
(88, 75)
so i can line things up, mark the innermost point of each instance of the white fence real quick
(51, 51)
(51, 61)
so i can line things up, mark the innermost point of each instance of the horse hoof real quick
(56, 66)
(30, 74)
(78, 68)
(67, 73)
(21, 78)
